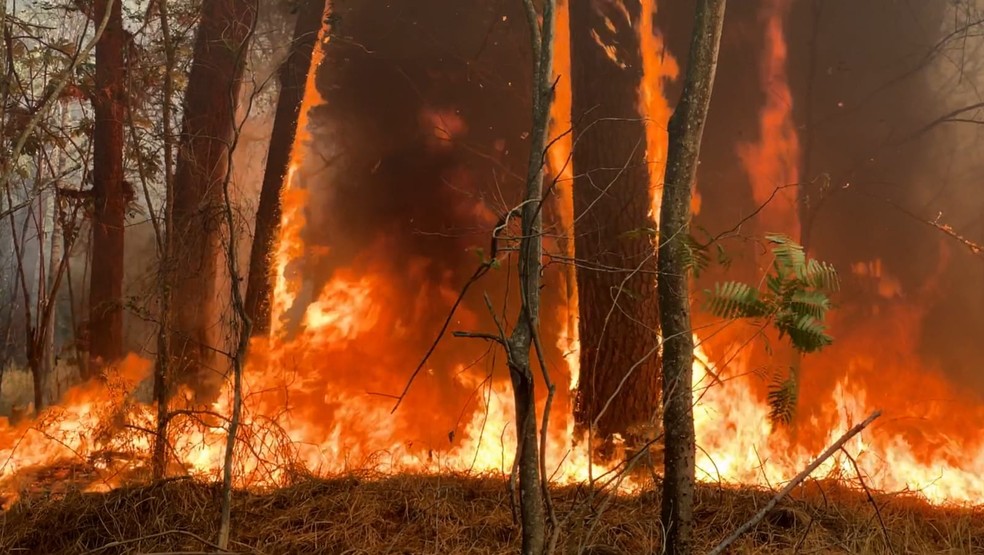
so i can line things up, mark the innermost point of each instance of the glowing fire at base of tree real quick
(297, 418)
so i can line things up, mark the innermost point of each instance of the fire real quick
(658, 66)
(772, 162)
(319, 394)
(738, 444)
(559, 163)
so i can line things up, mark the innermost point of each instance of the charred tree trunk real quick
(109, 202)
(207, 132)
(685, 130)
(293, 77)
(613, 232)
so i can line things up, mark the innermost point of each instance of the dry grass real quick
(456, 514)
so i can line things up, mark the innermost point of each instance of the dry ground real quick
(454, 514)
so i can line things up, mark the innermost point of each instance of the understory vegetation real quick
(413, 514)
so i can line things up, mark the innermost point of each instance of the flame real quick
(560, 164)
(658, 66)
(772, 162)
(320, 396)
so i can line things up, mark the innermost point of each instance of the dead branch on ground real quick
(837, 445)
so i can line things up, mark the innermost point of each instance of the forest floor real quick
(412, 514)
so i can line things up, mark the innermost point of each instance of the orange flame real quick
(658, 66)
(562, 170)
(772, 162)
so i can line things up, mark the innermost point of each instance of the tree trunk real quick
(613, 232)
(293, 77)
(685, 131)
(57, 258)
(208, 127)
(532, 493)
(109, 202)
(38, 347)
(162, 363)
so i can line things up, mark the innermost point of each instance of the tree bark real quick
(109, 202)
(159, 458)
(532, 501)
(293, 77)
(613, 244)
(685, 130)
(208, 127)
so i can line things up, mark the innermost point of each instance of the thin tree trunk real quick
(616, 270)
(207, 131)
(162, 365)
(520, 342)
(293, 77)
(685, 130)
(39, 327)
(109, 202)
(241, 328)
(58, 252)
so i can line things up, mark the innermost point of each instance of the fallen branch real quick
(793, 483)
(122, 543)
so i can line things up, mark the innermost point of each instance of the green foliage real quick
(696, 258)
(794, 301)
(783, 394)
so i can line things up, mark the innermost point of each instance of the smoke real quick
(868, 80)
(885, 72)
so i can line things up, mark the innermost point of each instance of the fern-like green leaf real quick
(696, 258)
(805, 332)
(822, 276)
(734, 299)
(783, 397)
(790, 257)
(809, 302)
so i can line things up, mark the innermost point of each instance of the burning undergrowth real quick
(368, 513)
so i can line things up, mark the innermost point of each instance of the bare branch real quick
(793, 483)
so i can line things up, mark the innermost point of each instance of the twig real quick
(122, 543)
(473, 335)
(871, 499)
(793, 483)
(479, 272)
(975, 248)
(799, 542)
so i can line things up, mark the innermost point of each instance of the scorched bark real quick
(613, 240)
(293, 76)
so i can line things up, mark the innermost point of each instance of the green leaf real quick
(821, 275)
(805, 332)
(809, 302)
(790, 257)
(696, 259)
(734, 299)
(783, 396)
